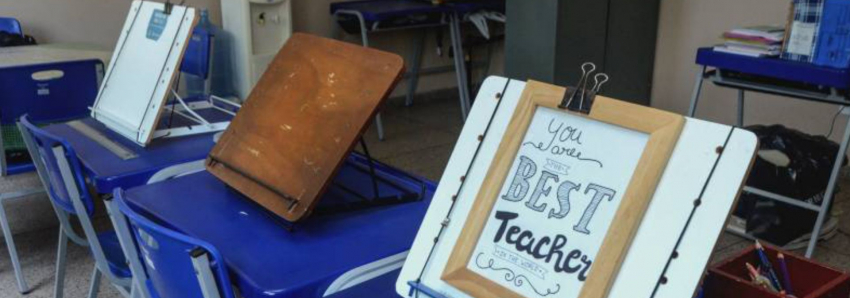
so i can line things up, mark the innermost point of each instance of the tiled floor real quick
(419, 139)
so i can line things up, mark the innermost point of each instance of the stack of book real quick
(758, 41)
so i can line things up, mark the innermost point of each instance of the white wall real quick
(98, 22)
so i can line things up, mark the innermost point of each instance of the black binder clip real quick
(580, 98)
(168, 7)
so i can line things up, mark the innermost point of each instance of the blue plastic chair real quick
(60, 171)
(11, 25)
(46, 100)
(197, 60)
(175, 265)
(66, 97)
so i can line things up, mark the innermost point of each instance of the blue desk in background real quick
(369, 16)
(107, 171)
(792, 79)
(267, 259)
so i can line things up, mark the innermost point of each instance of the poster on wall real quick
(562, 199)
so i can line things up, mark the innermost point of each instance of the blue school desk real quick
(370, 16)
(268, 257)
(107, 170)
(785, 78)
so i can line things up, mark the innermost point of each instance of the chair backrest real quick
(63, 172)
(175, 265)
(11, 25)
(64, 95)
(48, 98)
(196, 60)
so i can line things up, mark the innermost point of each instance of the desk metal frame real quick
(457, 43)
(833, 97)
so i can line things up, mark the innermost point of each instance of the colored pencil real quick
(785, 274)
(766, 263)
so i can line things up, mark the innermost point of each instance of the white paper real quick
(556, 205)
(802, 38)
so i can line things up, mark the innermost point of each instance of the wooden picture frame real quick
(663, 130)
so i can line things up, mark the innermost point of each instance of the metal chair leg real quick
(415, 64)
(380, 126)
(460, 65)
(13, 252)
(135, 292)
(95, 283)
(740, 120)
(830, 192)
(61, 252)
(692, 110)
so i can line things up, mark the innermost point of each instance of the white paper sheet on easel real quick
(557, 203)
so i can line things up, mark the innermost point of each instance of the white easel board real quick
(695, 159)
(144, 64)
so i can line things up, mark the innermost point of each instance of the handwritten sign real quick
(555, 207)
(562, 198)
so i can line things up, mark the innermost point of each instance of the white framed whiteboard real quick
(686, 176)
(540, 247)
(145, 61)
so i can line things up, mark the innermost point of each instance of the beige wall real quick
(686, 25)
(98, 22)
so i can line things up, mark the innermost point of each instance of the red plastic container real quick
(808, 279)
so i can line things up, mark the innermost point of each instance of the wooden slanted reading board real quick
(541, 202)
(301, 120)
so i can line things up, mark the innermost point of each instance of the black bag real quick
(11, 39)
(802, 176)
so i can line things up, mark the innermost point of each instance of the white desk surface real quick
(51, 53)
